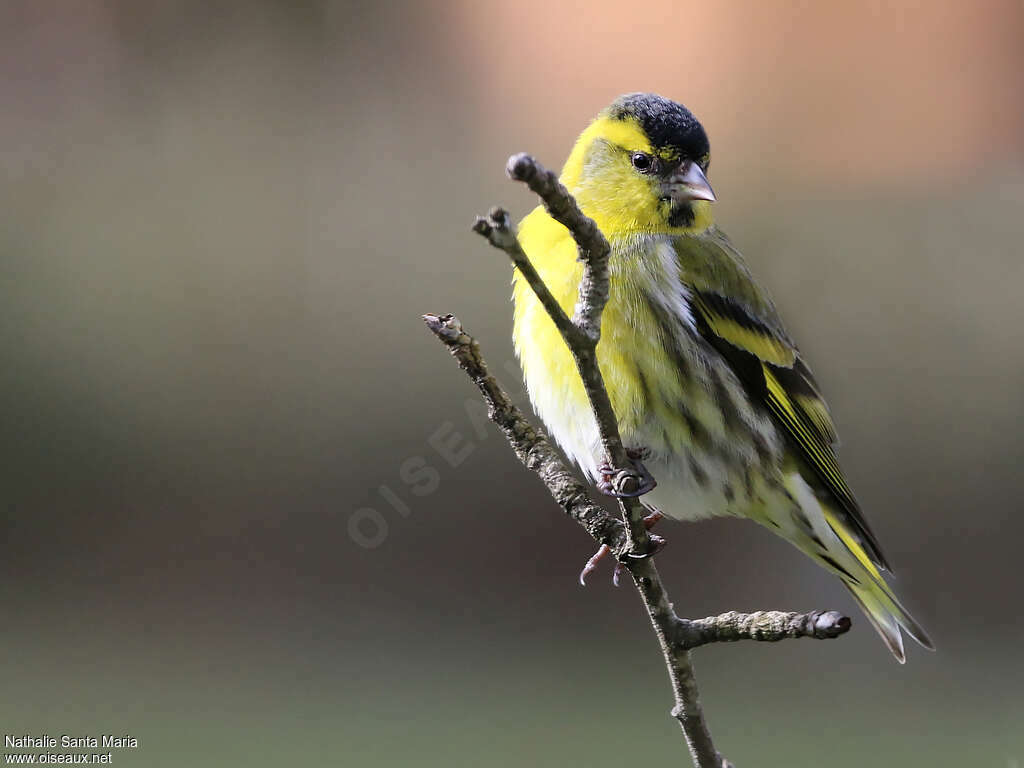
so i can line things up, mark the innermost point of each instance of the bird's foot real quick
(591, 565)
(626, 482)
(657, 544)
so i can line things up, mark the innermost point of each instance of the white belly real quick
(681, 496)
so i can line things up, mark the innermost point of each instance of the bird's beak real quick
(690, 183)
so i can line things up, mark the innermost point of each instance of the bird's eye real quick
(642, 162)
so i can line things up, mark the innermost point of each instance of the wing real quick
(739, 320)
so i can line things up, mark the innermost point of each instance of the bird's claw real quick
(657, 544)
(628, 482)
(592, 563)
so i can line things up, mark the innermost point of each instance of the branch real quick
(765, 626)
(498, 231)
(676, 636)
(593, 247)
(627, 539)
(530, 444)
(582, 333)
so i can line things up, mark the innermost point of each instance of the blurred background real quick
(229, 528)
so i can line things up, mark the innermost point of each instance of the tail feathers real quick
(887, 615)
(861, 576)
(835, 546)
(880, 618)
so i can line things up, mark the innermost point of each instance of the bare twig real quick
(497, 228)
(676, 636)
(582, 333)
(628, 538)
(530, 443)
(593, 247)
(766, 626)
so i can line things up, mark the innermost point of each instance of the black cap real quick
(668, 124)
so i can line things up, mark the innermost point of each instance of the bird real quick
(712, 396)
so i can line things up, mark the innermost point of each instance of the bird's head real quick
(641, 166)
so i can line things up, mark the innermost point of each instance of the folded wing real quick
(738, 319)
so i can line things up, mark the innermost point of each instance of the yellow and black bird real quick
(705, 381)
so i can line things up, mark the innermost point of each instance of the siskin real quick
(707, 385)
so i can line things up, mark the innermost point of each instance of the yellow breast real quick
(644, 382)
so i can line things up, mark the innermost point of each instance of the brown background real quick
(221, 222)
